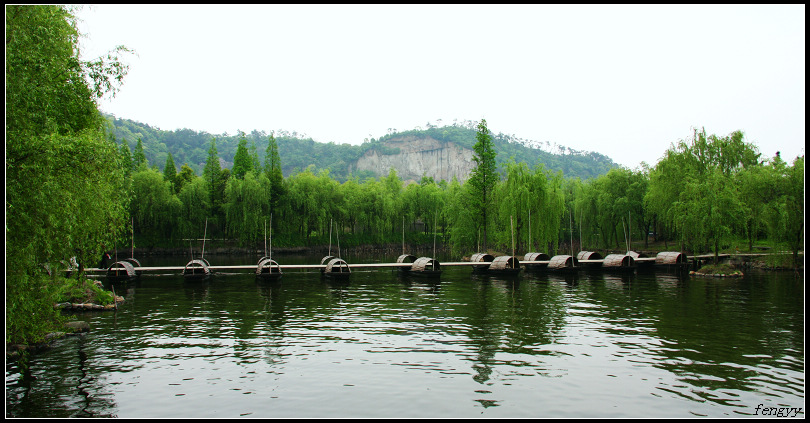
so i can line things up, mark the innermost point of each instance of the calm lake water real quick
(652, 344)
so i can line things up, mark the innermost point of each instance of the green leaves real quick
(242, 161)
(66, 192)
(483, 177)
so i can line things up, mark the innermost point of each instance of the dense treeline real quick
(704, 195)
(707, 192)
(299, 151)
(237, 202)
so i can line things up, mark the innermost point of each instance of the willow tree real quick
(155, 208)
(708, 209)
(547, 206)
(247, 206)
(514, 202)
(304, 210)
(483, 178)
(694, 188)
(785, 211)
(64, 182)
(272, 169)
(462, 227)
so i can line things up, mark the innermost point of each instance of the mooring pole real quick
(434, 236)
(530, 231)
(271, 238)
(205, 232)
(624, 232)
(571, 233)
(132, 252)
(330, 237)
(512, 225)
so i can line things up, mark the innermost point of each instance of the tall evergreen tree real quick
(170, 171)
(212, 168)
(242, 162)
(184, 177)
(213, 175)
(272, 168)
(139, 157)
(254, 157)
(126, 158)
(483, 177)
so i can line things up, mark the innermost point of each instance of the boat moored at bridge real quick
(335, 268)
(197, 269)
(268, 268)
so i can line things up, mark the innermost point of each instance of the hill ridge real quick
(190, 147)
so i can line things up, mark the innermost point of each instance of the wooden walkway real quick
(309, 266)
(351, 265)
(305, 267)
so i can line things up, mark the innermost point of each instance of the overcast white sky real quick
(622, 80)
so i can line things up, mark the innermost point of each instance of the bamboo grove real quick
(706, 193)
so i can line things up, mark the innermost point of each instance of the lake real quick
(595, 344)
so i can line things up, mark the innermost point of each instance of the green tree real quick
(247, 206)
(242, 162)
(126, 159)
(483, 177)
(215, 179)
(272, 169)
(708, 208)
(65, 191)
(784, 214)
(185, 177)
(139, 157)
(154, 206)
(195, 208)
(695, 188)
(170, 171)
(462, 229)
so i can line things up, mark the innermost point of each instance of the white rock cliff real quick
(417, 157)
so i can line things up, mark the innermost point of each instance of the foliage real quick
(483, 178)
(66, 193)
(247, 206)
(155, 205)
(80, 290)
(718, 269)
(139, 160)
(609, 211)
(299, 151)
(242, 162)
(170, 171)
(195, 208)
(274, 173)
(185, 177)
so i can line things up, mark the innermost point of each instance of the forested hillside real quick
(298, 152)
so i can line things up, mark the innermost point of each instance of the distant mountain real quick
(438, 152)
